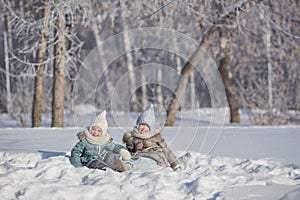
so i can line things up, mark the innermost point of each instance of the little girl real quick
(146, 142)
(96, 150)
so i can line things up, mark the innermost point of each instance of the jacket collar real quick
(147, 135)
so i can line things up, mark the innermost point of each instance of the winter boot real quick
(121, 166)
(175, 166)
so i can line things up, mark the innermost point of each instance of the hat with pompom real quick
(100, 121)
(147, 117)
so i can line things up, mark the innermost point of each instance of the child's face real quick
(96, 131)
(143, 128)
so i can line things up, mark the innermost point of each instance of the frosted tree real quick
(255, 44)
(59, 69)
(39, 78)
(53, 22)
(15, 83)
(266, 70)
(226, 51)
(216, 20)
(8, 45)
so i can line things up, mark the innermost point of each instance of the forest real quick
(124, 55)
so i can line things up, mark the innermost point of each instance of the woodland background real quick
(254, 43)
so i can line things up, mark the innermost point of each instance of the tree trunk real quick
(99, 40)
(144, 90)
(6, 59)
(132, 81)
(226, 44)
(38, 81)
(193, 90)
(178, 61)
(159, 89)
(270, 86)
(8, 44)
(59, 73)
(38, 97)
(185, 73)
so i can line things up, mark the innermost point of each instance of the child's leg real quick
(97, 164)
(109, 159)
(115, 163)
(172, 159)
(121, 166)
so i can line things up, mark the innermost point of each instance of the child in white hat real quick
(95, 148)
(146, 142)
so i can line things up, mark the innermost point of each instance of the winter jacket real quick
(84, 152)
(151, 145)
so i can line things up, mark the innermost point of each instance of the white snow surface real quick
(245, 163)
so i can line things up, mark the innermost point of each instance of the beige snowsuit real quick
(151, 145)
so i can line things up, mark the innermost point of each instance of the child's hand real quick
(125, 155)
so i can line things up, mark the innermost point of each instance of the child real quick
(144, 141)
(96, 150)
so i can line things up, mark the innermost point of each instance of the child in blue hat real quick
(145, 141)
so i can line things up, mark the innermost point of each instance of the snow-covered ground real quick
(246, 162)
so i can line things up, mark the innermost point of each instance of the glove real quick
(125, 155)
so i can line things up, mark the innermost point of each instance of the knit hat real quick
(101, 122)
(147, 117)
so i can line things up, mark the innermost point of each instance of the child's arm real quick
(127, 139)
(118, 149)
(75, 154)
(172, 159)
(113, 147)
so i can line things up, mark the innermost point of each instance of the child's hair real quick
(81, 136)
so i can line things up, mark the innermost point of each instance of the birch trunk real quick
(270, 86)
(104, 63)
(127, 46)
(132, 81)
(6, 59)
(144, 91)
(159, 90)
(8, 44)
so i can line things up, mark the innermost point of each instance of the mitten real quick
(125, 154)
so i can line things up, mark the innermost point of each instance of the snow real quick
(246, 162)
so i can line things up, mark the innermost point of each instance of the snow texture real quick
(246, 163)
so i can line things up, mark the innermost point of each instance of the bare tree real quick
(226, 45)
(185, 73)
(6, 60)
(266, 53)
(96, 24)
(8, 45)
(39, 78)
(29, 44)
(129, 58)
(220, 14)
(259, 62)
(59, 70)
(267, 41)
